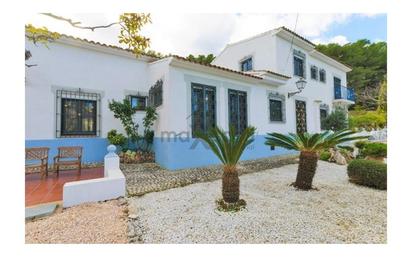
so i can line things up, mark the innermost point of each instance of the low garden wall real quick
(112, 186)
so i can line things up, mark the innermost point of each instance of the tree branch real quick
(76, 24)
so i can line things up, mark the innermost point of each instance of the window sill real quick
(277, 121)
(298, 76)
(78, 136)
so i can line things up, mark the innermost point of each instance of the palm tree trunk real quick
(230, 184)
(306, 171)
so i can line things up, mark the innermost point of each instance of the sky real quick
(200, 33)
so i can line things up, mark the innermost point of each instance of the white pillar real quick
(111, 160)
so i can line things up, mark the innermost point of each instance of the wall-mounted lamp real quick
(300, 85)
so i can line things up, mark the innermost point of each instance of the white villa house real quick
(251, 82)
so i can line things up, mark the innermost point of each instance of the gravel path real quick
(340, 212)
(88, 223)
(150, 177)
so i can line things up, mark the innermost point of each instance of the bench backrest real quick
(37, 153)
(70, 151)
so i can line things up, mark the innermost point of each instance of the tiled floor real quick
(40, 191)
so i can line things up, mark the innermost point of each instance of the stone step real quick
(40, 211)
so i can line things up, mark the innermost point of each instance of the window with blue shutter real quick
(322, 75)
(237, 110)
(203, 107)
(314, 72)
(246, 65)
(275, 108)
(299, 63)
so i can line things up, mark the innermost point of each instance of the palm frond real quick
(211, 141)
(311, 142)
(228, 148)
(280, 140)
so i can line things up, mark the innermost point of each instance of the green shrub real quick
(346, 147)
(115, 138)
(335, 121)
(368, 173)
(324, 156)
(368, 120)
(361, 144)
(375, 150)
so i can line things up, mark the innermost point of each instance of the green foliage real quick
(336, 120)
(367, 119)
(115, 138)
(130, 27)
(361, 144)
(228, 148)
(204, 59)
(311, 142)
(375, 150)
(324, 155)
(369, 68)
(368, 172)
(40, 35)
(346, 147)
(124, 111)
(148, 122)
(382, 100)
(154, 54)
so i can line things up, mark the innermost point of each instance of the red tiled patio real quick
(50, 189)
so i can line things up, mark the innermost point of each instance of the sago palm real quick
(228, 148)
(309, 146)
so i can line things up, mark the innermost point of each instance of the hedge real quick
(369, 173)
(375, 150)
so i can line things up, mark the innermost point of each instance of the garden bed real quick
(338, 212)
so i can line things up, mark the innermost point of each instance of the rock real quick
(340, 159)
(132, 216)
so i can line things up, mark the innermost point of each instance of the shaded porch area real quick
(50, 189)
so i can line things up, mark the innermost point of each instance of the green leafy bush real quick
(115, 138)
(368, 173)
(361, 144)
(367, 119)
(324, 156)
(124, 111)
(148, 121)
(375, 150)
(335, 121)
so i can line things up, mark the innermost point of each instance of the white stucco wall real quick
(259, 48)
(179, 103)
(65, 66)
(69, 67)
(271, 52)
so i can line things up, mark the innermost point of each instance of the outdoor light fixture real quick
(300, 84)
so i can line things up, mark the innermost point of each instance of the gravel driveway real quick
(340, 212)
(104, 222)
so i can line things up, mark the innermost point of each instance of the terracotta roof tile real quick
(274, 73)
(297, 35)
(217, 67)
(104, 45)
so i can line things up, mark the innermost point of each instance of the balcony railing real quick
(345, 93)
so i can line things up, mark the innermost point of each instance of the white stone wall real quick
(273, 53)
(179, 103)
(64, 66)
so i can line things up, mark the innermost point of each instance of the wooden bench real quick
(68, 155)
(37, 154)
